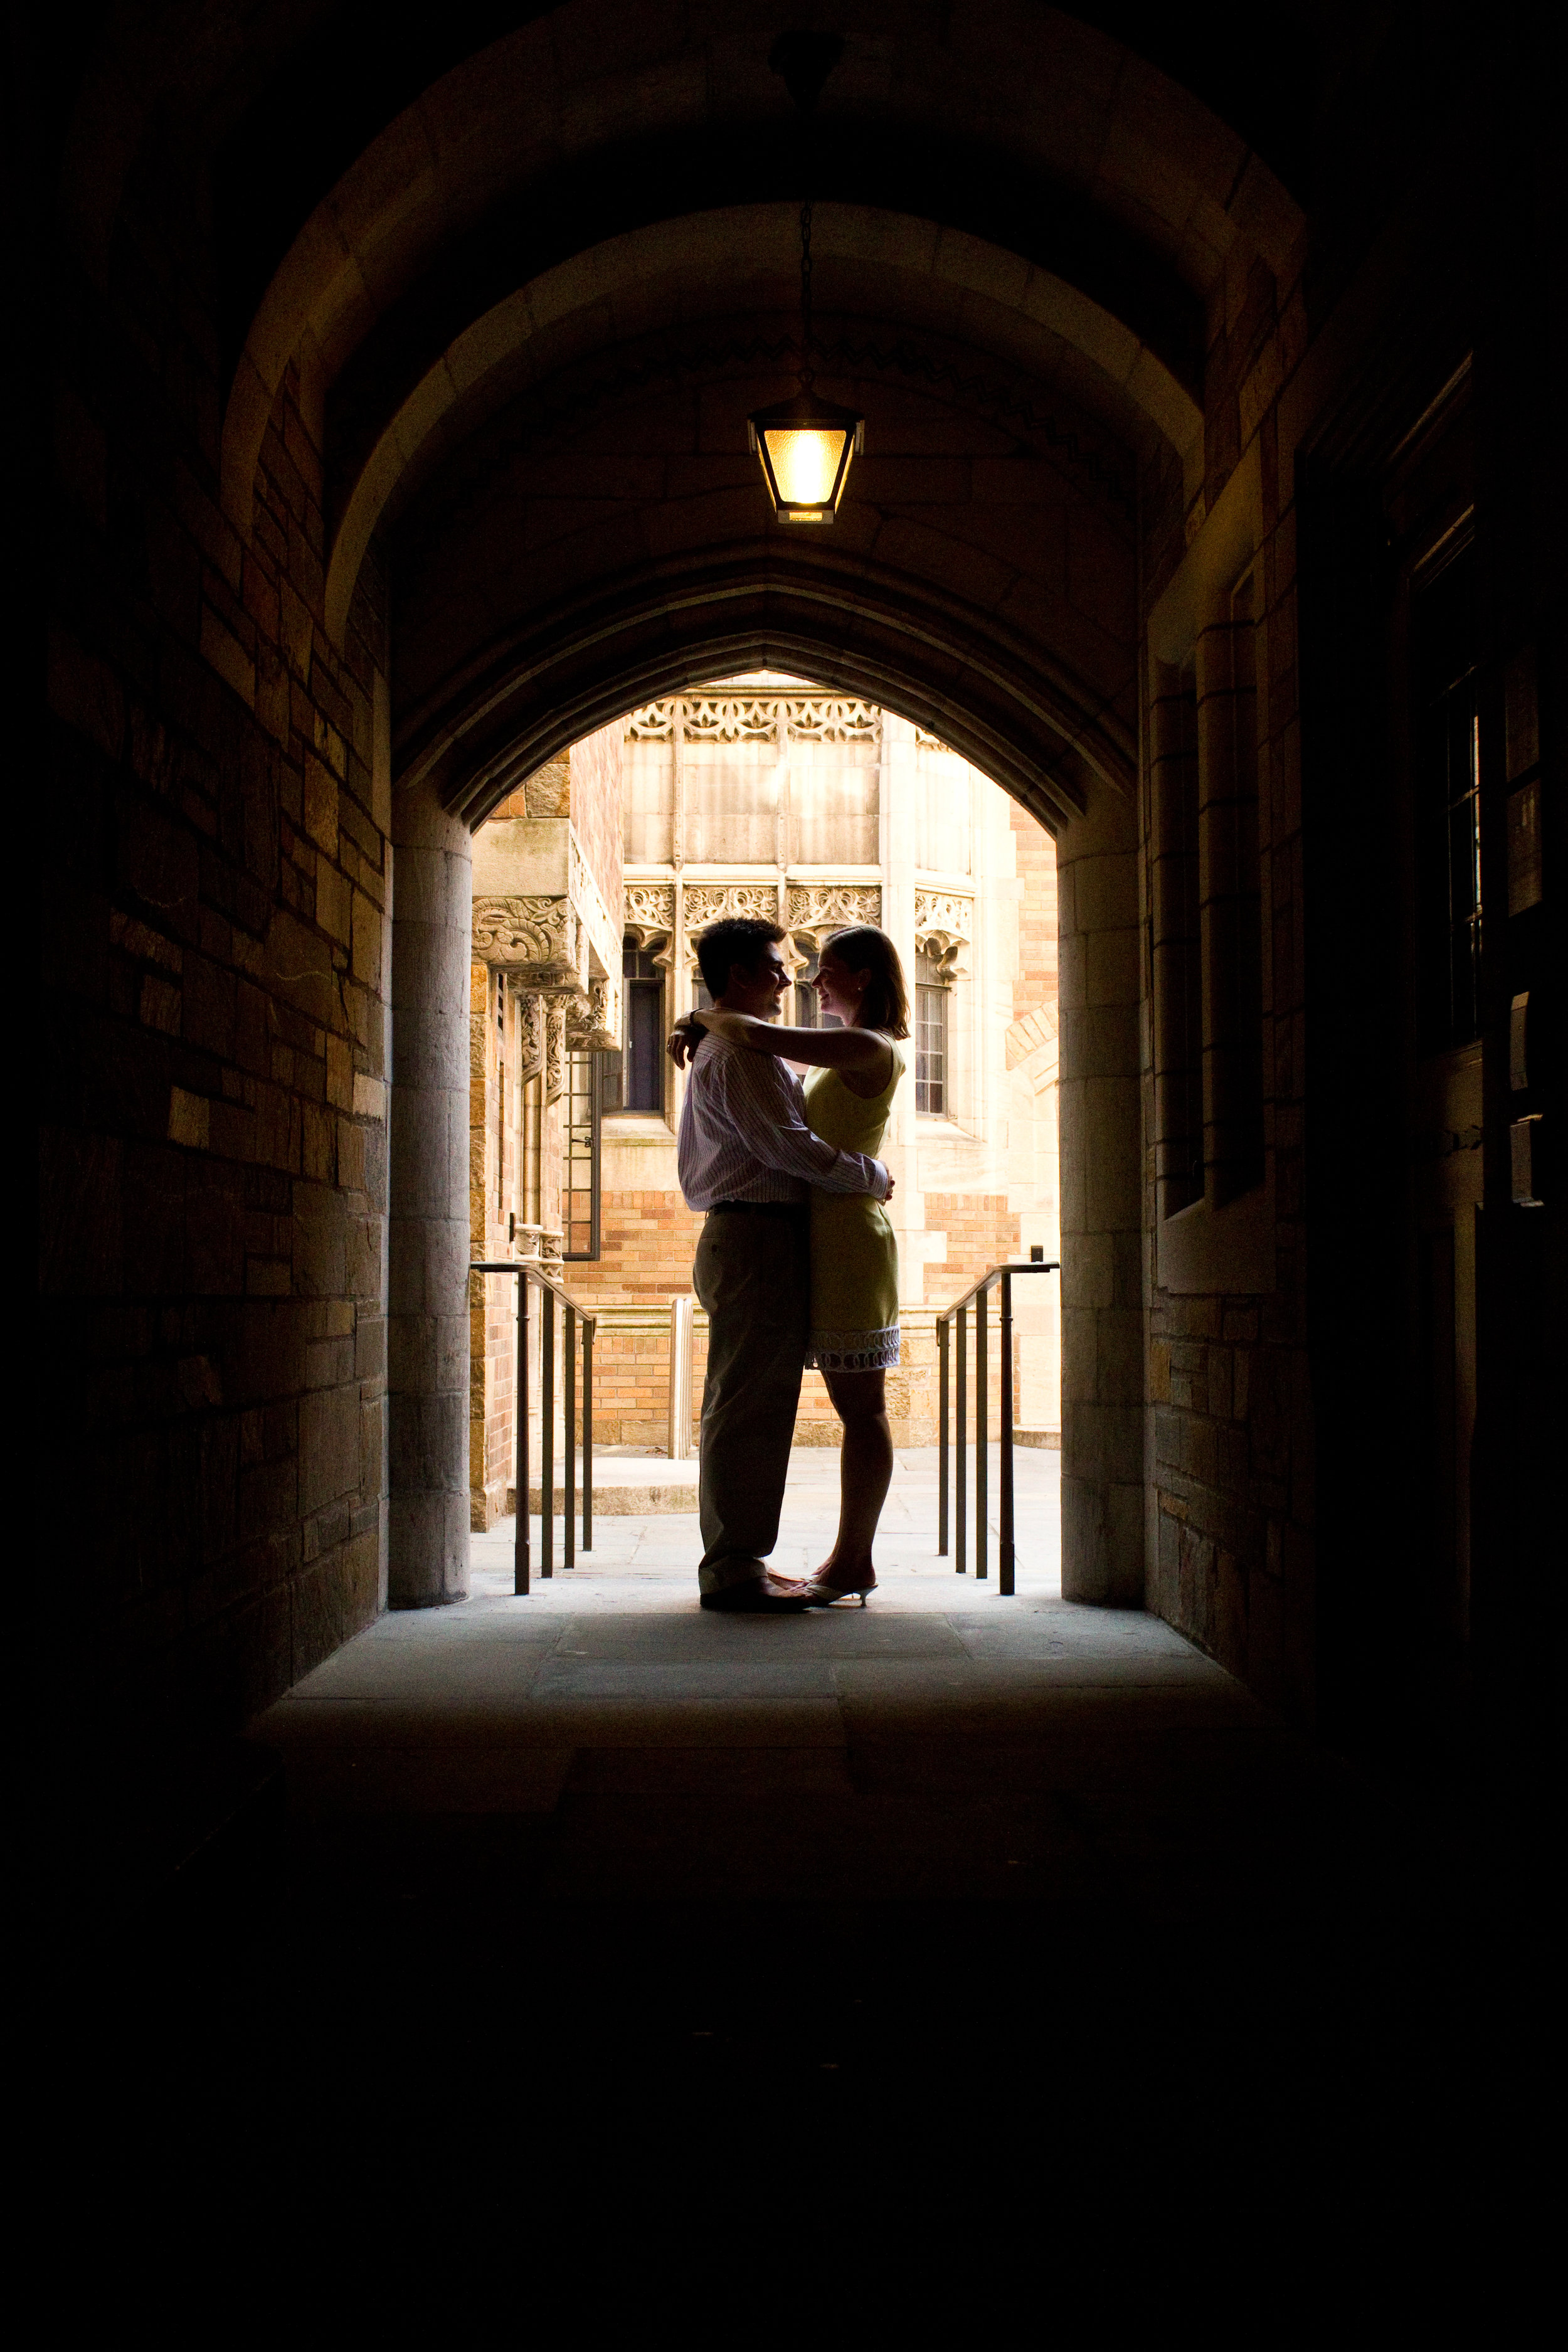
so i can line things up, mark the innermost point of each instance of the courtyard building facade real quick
(759, 795)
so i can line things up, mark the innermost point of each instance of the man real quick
(746, 1157)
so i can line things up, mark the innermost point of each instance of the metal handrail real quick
(975, 1297)
(527, 1270)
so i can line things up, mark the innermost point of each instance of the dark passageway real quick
(392, 418)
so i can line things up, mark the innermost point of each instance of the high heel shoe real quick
(816, 1594)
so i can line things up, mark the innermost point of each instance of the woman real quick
(855, 1071)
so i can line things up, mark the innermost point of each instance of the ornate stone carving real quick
(716, 902)
(593, 1026)
(832, 719)
(530, 1035)
(650, 911)
(817, 908)
(651, 904)
(726, 719)
(654, 723)
(945, 926)
(650, 921)
(554, 1052)
(758, 719)
(538, 937)
(926, 742)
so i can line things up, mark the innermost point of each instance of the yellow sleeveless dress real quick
(854, 1256)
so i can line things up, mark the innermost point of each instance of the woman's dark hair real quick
(739, 938)
(886, 1003)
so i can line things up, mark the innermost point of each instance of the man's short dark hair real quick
(738, 939)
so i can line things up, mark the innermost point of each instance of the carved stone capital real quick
(945, 928)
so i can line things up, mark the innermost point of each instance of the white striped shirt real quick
(744, 1137)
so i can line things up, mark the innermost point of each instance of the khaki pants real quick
(753, 1275)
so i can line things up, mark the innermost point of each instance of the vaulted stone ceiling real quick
(478, 229)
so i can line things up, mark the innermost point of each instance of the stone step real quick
(625, 1488)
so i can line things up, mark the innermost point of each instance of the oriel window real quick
(1446, 760)
(931, 1037)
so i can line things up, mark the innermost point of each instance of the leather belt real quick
(759, 1209)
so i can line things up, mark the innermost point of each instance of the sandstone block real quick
(321, 804)
(329, 1445)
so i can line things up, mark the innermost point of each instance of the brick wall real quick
(981, 1231)
(649, 1240)
(1035, 859)
(598, 793)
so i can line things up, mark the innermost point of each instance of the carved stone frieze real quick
(926, 742)
(816, 908)
(833, 718)
(757, 719)
(717, 902)
(945, 928)
(650, 906)
(654, 723)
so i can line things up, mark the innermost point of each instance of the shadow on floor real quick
(1021, 1888)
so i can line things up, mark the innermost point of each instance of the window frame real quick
(932, 992)
(584, 1083)
(636, 987)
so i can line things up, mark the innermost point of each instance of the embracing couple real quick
(796, 1264)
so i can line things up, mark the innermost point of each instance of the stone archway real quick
(1102, 1319)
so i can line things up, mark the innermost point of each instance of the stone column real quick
(427, 1372)
(1101, 1194)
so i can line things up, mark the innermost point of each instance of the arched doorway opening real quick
(1099, 1119)
(592, 883)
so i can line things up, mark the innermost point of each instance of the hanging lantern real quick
(805, 443)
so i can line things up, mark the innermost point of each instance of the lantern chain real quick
(808, 374)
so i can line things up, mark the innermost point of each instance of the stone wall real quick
(1229, 1446)
(215, 1042)
(598, 791)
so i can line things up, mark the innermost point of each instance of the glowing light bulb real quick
(805, 447)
